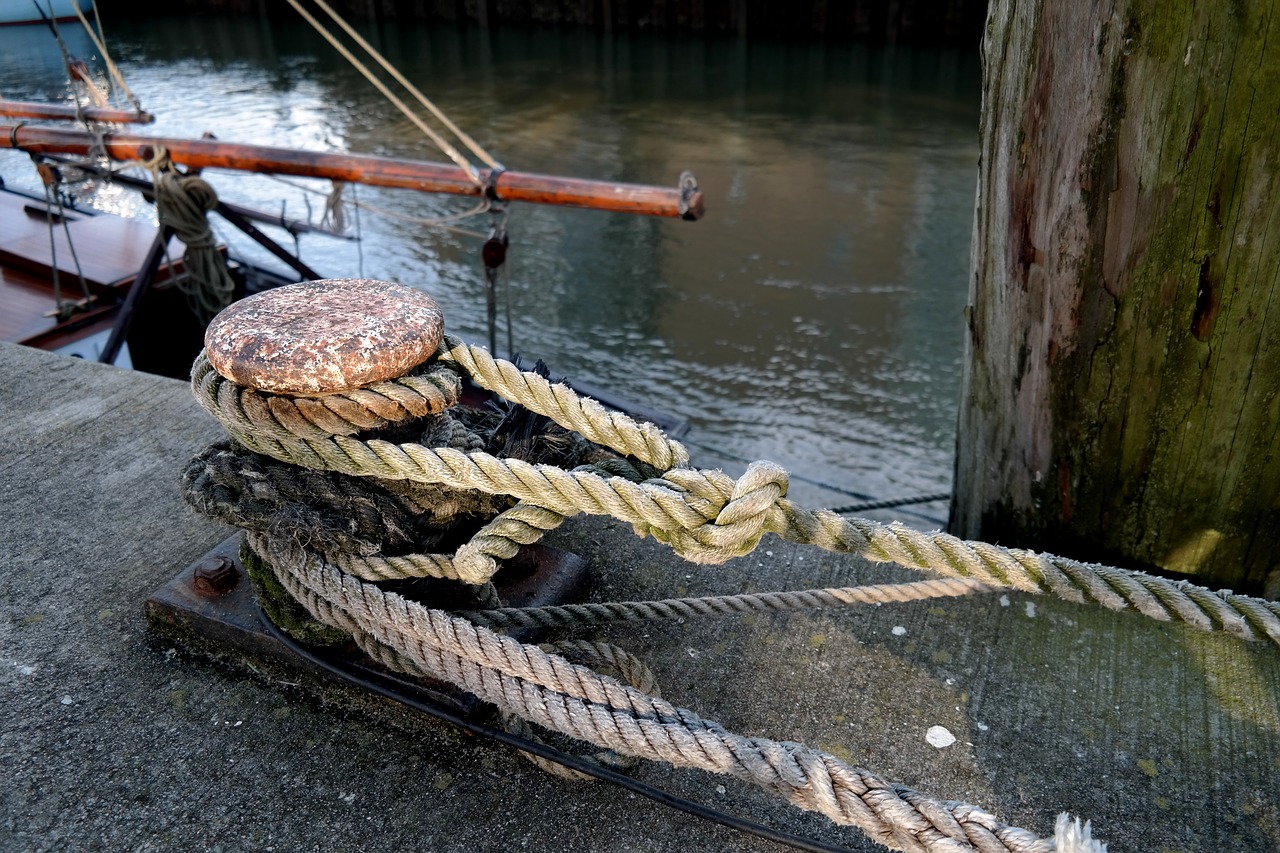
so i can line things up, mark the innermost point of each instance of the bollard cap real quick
(320, 337)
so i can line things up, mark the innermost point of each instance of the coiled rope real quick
(182, 202)
(706, 516)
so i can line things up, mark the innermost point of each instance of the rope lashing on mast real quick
(183, 202)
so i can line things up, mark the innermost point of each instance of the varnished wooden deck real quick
(107, 251)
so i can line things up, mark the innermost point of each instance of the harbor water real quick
(814, 317)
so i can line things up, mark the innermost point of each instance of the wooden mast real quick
(683, 201)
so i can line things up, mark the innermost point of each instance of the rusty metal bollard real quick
(320, 337)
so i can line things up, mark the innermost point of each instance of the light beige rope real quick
(471, 144)
(106, 55)
(705, 516)
(440, 142)
(560, 403)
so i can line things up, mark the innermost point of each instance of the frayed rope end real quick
(1070, 836)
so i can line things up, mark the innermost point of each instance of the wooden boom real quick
(683, 201)
(24, 109)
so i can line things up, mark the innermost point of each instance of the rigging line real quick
(355, 209)
(506, 297)
(53, 252)
(77, 70)
(106, 55)
(441, 143)
(71, 245)
(51, 21)
(50, 177)
(542, 750)
(471, 144)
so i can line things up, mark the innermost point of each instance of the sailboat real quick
(113, 289)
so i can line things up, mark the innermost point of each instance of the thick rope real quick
(597, 656)
(705, 516)
(573, 700)
(559, 402)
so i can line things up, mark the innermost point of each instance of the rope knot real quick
(473, 565)
(738, 512)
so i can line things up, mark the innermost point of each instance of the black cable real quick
(892, 502)
(542, 750)
(869, 502)
(791, 474)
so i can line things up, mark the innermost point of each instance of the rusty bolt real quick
(216, 576)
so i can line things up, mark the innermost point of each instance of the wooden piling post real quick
(1122, 392)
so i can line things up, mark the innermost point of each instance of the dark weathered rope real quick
(578, 615)
(575, 701)
(890, 503)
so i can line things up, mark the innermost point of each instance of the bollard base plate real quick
(231, 621)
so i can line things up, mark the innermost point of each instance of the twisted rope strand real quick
(1114, 588)
(429, 390)
(577, 615)
(558, 402)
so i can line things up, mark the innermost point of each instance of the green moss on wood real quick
(1163, 444)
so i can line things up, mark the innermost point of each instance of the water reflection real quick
(814, 317)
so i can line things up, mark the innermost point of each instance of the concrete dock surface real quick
(116, 737)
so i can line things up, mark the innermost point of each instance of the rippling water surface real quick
(814, 317)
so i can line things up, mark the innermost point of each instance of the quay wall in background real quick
(923, 22)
